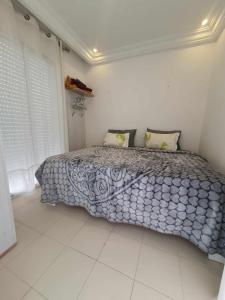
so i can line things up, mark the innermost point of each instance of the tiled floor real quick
(64, 254)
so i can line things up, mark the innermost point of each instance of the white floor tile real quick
(189, 251)
(121, 253)
(197, 282)
(90, 240)
(35, 194)
(129, 231)
(39, 217)
(73, 212)
(20, 202)
(168, 266)
(33, 261)
(160, 270)
(100, 222)
(194, 255)
(65, 229)
(141, 292)
(31, 208)
(11, 288)
(64, 279)
(214, 268)
(106, 284)
(162, 241)
(33, 295)
(25, 236)
(25, 198)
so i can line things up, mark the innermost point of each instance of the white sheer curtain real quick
(31, 104)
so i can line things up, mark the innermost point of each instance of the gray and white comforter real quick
(171, 192)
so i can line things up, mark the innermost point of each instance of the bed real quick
(171, 192)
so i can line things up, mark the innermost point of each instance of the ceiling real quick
(125, 28)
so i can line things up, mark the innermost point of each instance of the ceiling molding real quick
(46, 15)
(204, 35)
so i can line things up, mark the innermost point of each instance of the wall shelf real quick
(79, 92)
(78, 104)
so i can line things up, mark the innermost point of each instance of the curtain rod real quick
(26, 13)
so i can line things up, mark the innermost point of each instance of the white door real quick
(7, 226)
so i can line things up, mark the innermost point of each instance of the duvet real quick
(170, 192)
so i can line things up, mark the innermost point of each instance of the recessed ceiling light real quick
(205, 22)
(95, 50)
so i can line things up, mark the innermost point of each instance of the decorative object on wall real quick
(81, 90)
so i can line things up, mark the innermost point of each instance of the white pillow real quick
(162, 141)
(116, 139)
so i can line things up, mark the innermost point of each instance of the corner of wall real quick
(76, 67)
(212, 143)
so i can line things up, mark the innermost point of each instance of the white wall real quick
(213, 133)
(167, 90)
(75, 67)
(221, 295)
